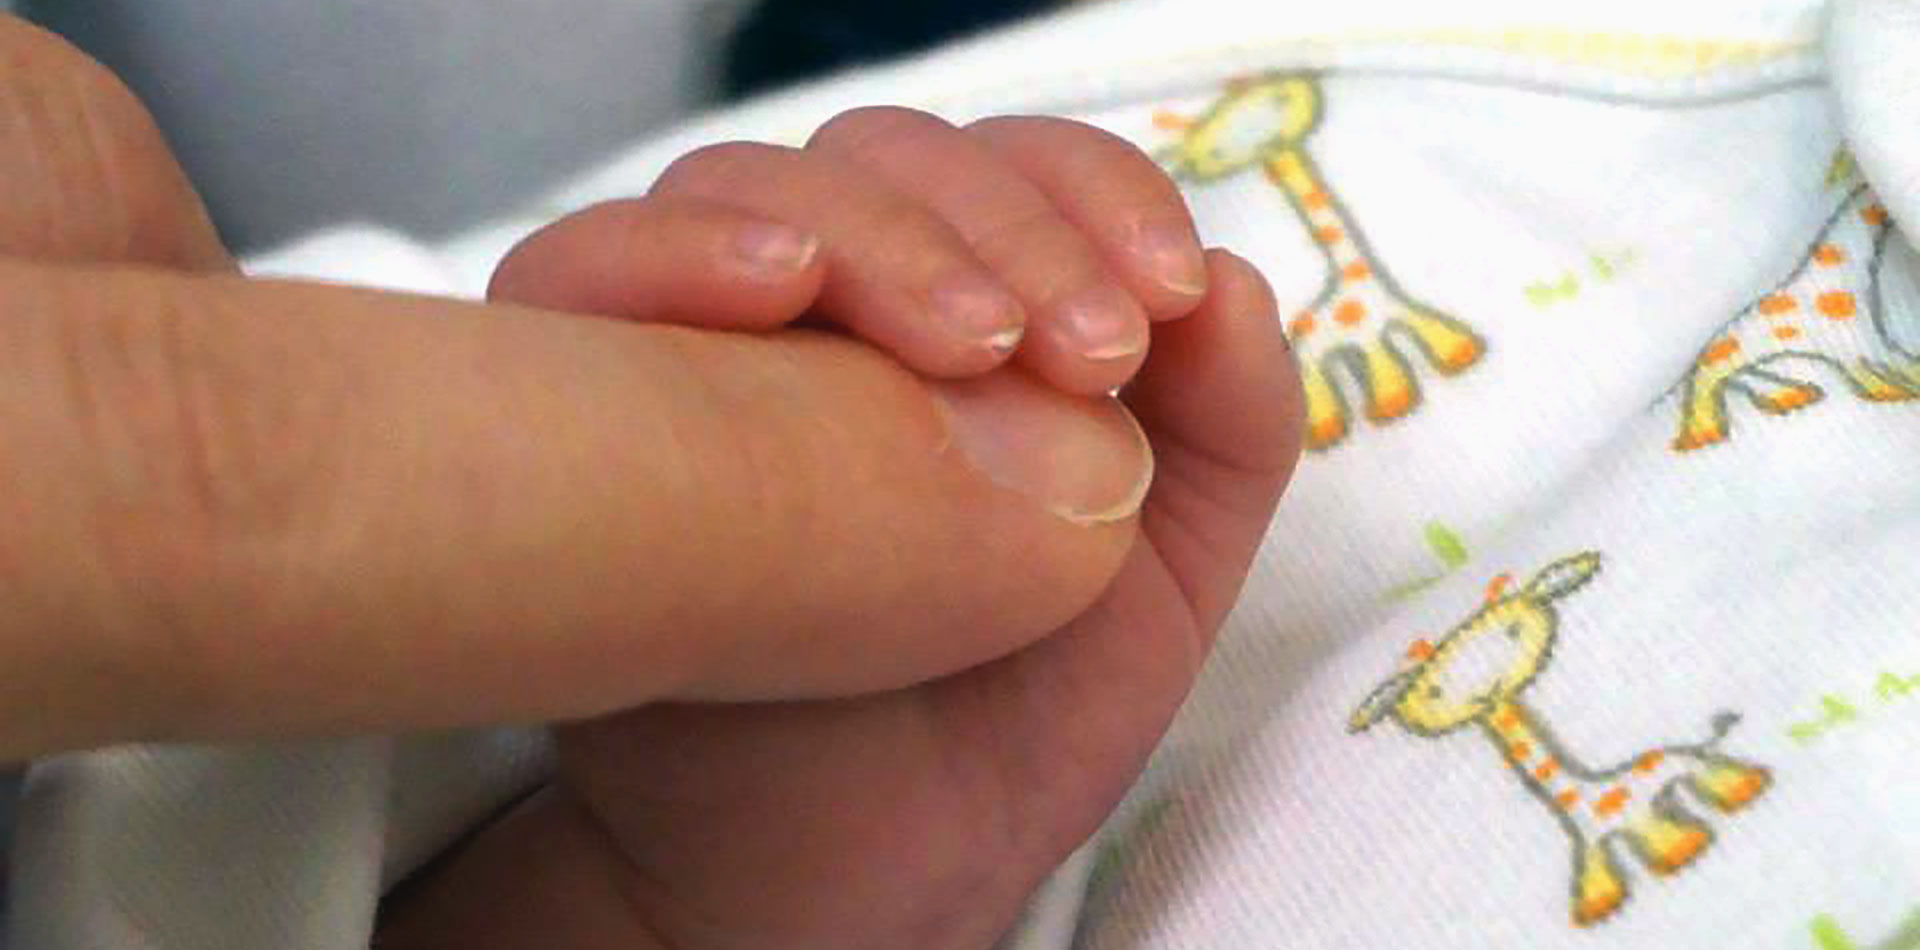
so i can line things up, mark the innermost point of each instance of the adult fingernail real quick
(775, 250)
(1084, 460)
(1171, 255)
(1102, 324)
(978, 310)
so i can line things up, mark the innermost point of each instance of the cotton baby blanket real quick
(1592, 619)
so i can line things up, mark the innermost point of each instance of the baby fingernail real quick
(978, 310)
(1171, 255)
(775, 249)
(1101, 325)
(1084, 460)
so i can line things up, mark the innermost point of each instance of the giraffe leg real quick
(1391, 391)
(1703, 412)
(1730, 784)
(1598, 888)
(1880, 383)
(1776, 394)
(1450, 344)
(1326, 414)
(1906, 372)
(1668, 839)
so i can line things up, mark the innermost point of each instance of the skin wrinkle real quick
(91, 176)
(100, 138)
(638, 882)
(719, 434)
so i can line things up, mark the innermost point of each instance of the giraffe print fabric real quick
(1361, 325)
(1674, 489)
(1642, 802)
(1830, 311)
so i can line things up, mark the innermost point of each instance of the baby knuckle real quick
(870, 127)
(720, 168)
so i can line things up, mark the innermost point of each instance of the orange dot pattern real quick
(1546, 770)
(1498, 586)
(1611, 801)
(1567, 799)
(1720, 351)
(1837, 305)
(1349, 312)
(1773, 305)
(1649, 761)
(1829, 255)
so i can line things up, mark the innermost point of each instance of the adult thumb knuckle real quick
(93, 177)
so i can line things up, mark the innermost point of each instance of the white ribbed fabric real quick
(1589, 623)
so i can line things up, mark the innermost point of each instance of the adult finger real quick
(239, 508)
(667, 260)
(897, 275)
(88, 176)
(1085, 331)
(1113, 193)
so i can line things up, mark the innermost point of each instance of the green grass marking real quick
(1447, 548)
(1827, 934)
(1446, 545)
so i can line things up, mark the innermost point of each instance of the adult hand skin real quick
(240, 508)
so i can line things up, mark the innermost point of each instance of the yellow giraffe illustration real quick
(1476, 675)
(1357, 325)
(1830, 311)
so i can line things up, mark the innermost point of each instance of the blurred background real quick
(432, 115)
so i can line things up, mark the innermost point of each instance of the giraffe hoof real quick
(1391, 405)
(1681, 851)
(1592, 910)
(1691, 441)
(1326, 432)
(1460, 355)
(1789, 401)
(1738, 789)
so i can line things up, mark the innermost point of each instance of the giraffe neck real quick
(1327, 221)
(1528, 748)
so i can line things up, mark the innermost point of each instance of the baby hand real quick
(953, 249)
(922, 816)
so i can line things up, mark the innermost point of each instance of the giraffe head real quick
(1256, 118)
(1484, 662)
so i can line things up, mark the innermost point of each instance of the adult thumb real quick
(242, 508)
